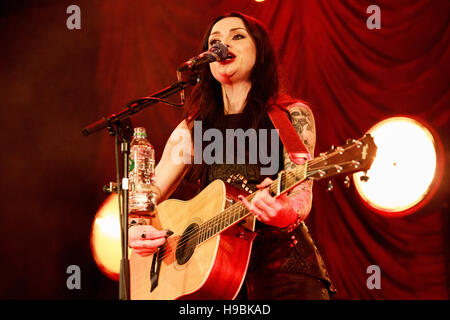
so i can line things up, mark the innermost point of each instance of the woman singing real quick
(236, 93)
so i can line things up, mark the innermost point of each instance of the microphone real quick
(217, 52)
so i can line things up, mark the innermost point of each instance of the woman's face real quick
(232, 32)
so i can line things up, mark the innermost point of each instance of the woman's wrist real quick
(300, 202)
(293, 225)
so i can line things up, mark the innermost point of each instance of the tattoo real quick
(301, 200)
(303, 122)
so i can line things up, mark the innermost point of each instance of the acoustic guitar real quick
(208, 254)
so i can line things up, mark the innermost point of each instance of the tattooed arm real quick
(302, 119)
(284, 211)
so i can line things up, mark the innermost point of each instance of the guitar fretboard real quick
(237, 211)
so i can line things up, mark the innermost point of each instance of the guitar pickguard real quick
(156, 267)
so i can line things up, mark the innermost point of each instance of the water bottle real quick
(141, 173)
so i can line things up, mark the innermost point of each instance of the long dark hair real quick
(206, 100)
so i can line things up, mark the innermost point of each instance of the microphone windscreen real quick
(220, 49)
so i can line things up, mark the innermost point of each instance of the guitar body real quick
(208, 254)
(217, 266)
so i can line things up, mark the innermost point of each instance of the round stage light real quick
(105, 238)
(404, 169)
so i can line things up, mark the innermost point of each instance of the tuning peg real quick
(330, 185)
(347, 181)
(364, 178)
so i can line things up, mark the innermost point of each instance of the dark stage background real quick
(54, 81)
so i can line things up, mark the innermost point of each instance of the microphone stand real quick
(124, 130)
(119, 125)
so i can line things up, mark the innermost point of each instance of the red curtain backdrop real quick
(351, 76)
(55, 81)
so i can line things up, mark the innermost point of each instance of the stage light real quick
(404, 169)
(105, 238)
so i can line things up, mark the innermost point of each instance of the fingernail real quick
(169, 233)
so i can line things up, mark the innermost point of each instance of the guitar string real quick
(311, 163)
(231, 211)
(237, 207)
(168, 252)
(188, 238)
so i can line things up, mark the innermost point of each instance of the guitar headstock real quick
(354, 156)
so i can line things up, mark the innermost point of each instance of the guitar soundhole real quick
(187, 243)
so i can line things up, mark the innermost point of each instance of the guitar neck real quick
(355, 155)
(237, 211)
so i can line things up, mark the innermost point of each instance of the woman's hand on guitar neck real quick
(146, 239)
(277, 212)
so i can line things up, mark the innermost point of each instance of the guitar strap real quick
(288, 135)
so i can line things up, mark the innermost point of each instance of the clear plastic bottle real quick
(141, 173)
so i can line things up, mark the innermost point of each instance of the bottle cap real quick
(139, 132)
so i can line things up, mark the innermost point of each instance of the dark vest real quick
(273, 250)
